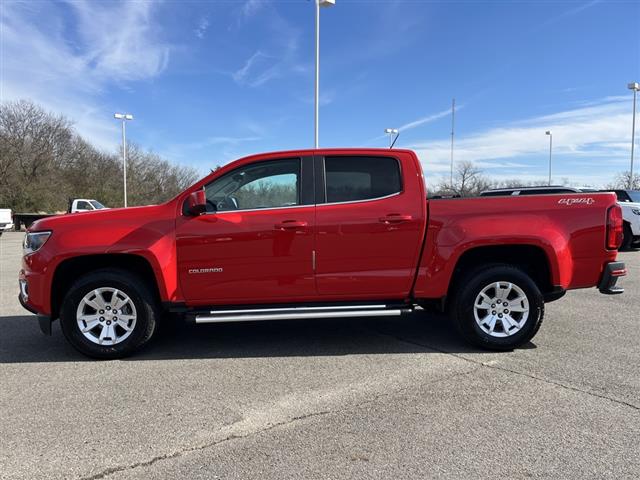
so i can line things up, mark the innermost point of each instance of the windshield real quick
(635, 195)
(97, 205)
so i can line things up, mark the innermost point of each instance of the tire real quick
(517, 329)
(627, 240)
(139, 311)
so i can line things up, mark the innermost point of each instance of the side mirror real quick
(197, 202)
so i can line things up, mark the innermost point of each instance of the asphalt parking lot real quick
(394, 398)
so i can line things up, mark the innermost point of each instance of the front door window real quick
(273, 184)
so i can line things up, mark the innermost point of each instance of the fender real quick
(448, 238)
(147, 232)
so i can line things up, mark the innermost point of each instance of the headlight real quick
(33, 241)
(636, 211)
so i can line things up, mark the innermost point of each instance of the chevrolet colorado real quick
(317, 234)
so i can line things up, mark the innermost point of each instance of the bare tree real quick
(468, 181)
(43, 162)
(621, 181)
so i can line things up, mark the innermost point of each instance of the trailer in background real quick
(27, 219)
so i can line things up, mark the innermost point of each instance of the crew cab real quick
(332, 233)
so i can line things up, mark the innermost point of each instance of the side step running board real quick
(293, 313)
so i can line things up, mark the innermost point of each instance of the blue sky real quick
(210, 81)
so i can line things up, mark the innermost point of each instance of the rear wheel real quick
(108, 314)
(498, 307)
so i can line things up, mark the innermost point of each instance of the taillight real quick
(614, 227)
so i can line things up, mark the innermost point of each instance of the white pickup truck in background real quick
(84, 205)
(25, 219)
(629, 200)
(6, 220)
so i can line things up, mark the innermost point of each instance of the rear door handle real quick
(396, 218)
(290, 225)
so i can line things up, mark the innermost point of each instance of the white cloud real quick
(568, 13)
(262, 67)
(589, 143)
(218, 140)
(416, 123)
(65, 64)
(120, 42)
(427, 119)
(202, 27)
(213, 150)
(258, 69)
(251, 7)
(277, 49)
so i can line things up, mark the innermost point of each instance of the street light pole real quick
(319, 3)
(635, 87)
(550, 133)
(124, 117)
(391, 132)
(453, 125)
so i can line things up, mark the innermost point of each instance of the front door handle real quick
(396, 218)
(290, 225)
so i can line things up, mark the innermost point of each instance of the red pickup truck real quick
(317, 234)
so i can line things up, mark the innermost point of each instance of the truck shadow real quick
(22, 342)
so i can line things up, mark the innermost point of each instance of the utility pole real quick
(550, 133)
(318, 4)
(635, 87)
(124, 117)
(453, 126)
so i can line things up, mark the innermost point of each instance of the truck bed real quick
(565, 227)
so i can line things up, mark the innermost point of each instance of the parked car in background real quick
(84, 205)
(332, 233)
(6, 220)
(629, 201)
(541, 190)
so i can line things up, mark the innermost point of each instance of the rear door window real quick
(350, 179)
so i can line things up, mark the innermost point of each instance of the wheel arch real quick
(532, 259)
(69, 270)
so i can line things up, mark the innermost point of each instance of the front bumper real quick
(612, 272)
(44, 321)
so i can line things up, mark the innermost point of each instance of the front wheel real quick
(498, 307)
(108, 314)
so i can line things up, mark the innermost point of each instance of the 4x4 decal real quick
(576, 201)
